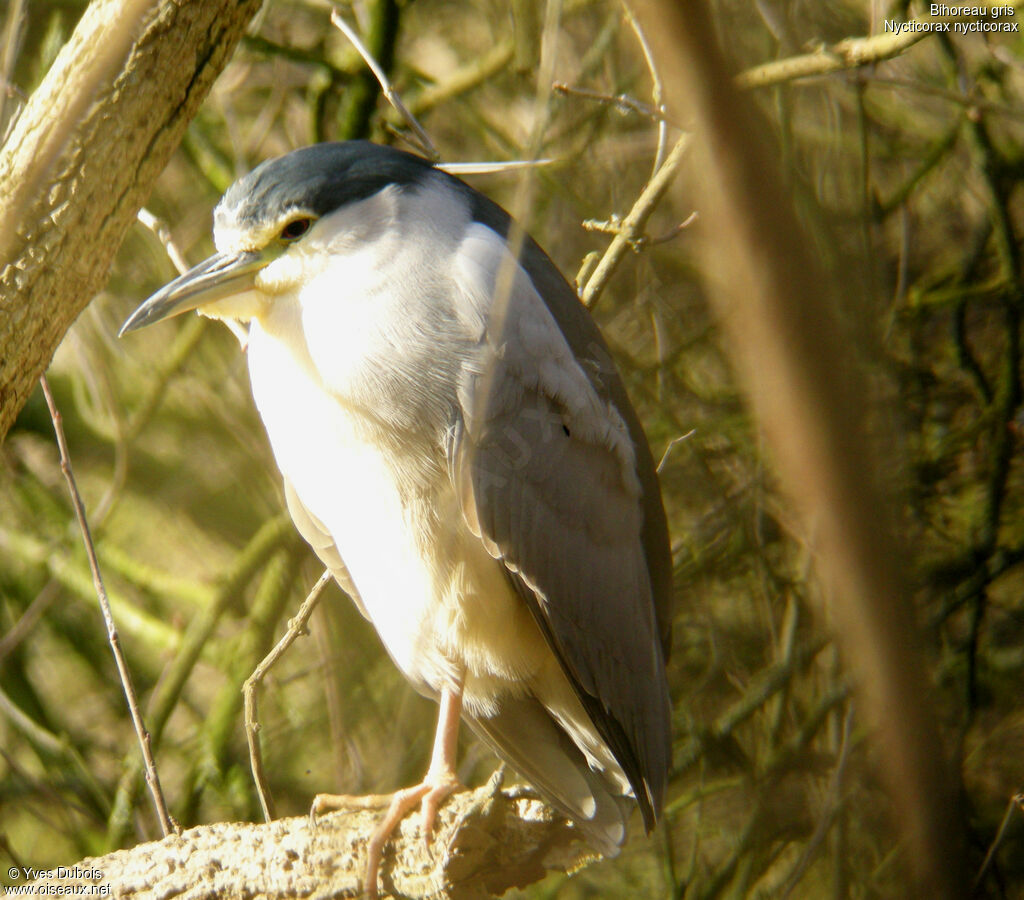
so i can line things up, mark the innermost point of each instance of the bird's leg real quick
(438, 784)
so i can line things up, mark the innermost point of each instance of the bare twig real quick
(6, 847)
(657, 88)
(972, 101)
(850, 53)
(163, 701)
(36, 733)
(27, 621)
(296, 627)
(493, 168)
(671, 444)
(833, 809)
(633, 225)
(163, 234)
(622, 102)
(1016, 802)
(464, 79)
(152, 778)
(390, 93)
(671, 234)
(614, 225)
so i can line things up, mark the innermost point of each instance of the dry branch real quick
(849, 53)
(632, 227)
(83, 156)
(145, 740)
(775, 303)
(486, 842)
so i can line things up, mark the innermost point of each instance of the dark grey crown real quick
(317, 179)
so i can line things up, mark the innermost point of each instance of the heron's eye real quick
(295, 229)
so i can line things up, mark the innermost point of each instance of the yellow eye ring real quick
(295, 229)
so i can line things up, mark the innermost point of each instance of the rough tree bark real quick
(83, 157)
(485, 842)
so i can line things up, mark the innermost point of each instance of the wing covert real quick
(546, 470)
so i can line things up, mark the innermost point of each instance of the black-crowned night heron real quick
(459, 450)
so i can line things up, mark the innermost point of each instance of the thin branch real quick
(296, 627)
(390, 93)
(850, 53)
(163, 234)
(657, 87)
(671, 444)
(765, 685)
(929, 161)
(37, 735)
(972, 101)
(152, 778)
(46, 743)
(493, 168)
(633, 225)
(622, 102)
(269, 538)
(258, 43)
(1016, 802)
(463, 79)
(28, 619)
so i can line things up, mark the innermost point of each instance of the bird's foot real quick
(430, 794)
(439, 783)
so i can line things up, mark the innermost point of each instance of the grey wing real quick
(524, 734)
(315, 533)
(546, 469)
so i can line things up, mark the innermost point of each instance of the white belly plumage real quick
(441, 605)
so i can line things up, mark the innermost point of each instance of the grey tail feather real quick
(523, 734)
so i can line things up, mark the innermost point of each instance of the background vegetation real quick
(905, 174)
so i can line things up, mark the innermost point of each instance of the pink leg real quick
(440, 782)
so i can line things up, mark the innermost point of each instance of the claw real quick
(439, 784)
(432, 801)
(430, 794)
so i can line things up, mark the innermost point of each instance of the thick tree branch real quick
(486, 842)
(83, 156)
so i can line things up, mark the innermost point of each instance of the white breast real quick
(347, 484)
(439, 602)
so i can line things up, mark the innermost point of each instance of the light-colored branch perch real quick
(850, 53)
(486, 842)
(632, 227)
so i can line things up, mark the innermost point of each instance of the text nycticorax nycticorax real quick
(459, 450)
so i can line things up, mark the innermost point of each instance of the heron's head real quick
(278, 226)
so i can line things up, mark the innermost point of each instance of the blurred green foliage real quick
(906, 175)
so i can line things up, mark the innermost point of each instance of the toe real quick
(432, 801)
